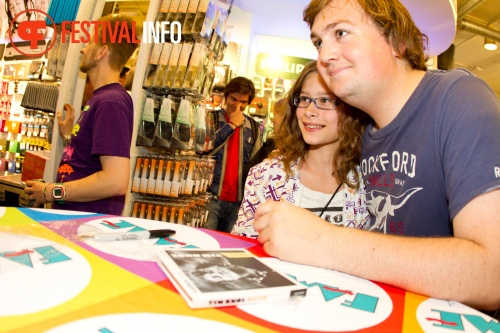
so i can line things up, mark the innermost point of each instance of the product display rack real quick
(171, 121)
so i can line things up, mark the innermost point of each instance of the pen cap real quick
(161, 233)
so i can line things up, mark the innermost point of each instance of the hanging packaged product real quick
(172, 216)
(153, 173)
(197, 177)
(202, 170)
(172, 10)
(176, 189)
(181, 15)
(203, 21)
(188, 182)
(164, 126)
(195, 68)
(62, 52)
(213, 33)
(210, 132)
(182, 65)
(199, 129)
(209, 76)
(182, 137)
(136, 182)
(145, 175)
(153, 64)
(161, 69)
(168, 176)
(188, 22)
(143, 209)
(210, 171)
(172, 66)
(157, 214)
(150, 113)
(165, 213)
(163, 11)
(160, 177)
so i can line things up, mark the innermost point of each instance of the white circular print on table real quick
(334, 302)
(2, 211)
(37, 274)
(141, 249)
(60, 211)
(436, 315)
(146, 322)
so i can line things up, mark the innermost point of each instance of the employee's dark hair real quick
(240, 85)
(394, 23)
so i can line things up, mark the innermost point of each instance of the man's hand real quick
(237, 116)
(35, 189)
(66, 125)
(285, 228)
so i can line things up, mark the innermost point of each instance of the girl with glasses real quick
(316, 167)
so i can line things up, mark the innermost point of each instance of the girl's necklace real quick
(326, 206)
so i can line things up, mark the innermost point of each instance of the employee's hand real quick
(34, 190)
(288, 232)
(66, 124)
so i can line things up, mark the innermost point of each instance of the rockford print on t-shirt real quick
(382, 204)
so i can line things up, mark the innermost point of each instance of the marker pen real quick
(121, 236)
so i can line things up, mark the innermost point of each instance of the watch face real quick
(57, 192)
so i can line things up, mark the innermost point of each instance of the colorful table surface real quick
(51, 280)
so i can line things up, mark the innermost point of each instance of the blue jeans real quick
(222, 215)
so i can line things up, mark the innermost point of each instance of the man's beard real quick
(84, 68)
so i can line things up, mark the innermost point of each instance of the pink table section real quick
(52, 280)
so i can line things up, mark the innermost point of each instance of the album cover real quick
(225, 277)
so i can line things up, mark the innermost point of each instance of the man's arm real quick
(111, 181)
(222, 134)
(464, 268)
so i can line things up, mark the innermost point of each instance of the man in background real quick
(236, 141)
(94, 171)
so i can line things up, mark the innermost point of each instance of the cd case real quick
(225, 277)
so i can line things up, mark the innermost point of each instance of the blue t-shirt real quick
(440, 152)
(103, 128)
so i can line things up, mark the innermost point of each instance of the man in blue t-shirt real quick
(94, 171)
(430, 160)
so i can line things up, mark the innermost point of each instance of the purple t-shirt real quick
(103, 128)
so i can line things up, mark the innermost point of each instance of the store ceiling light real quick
(489, 44)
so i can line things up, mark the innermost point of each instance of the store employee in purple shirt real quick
(94, 171)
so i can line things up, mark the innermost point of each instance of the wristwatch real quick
(59, 192)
